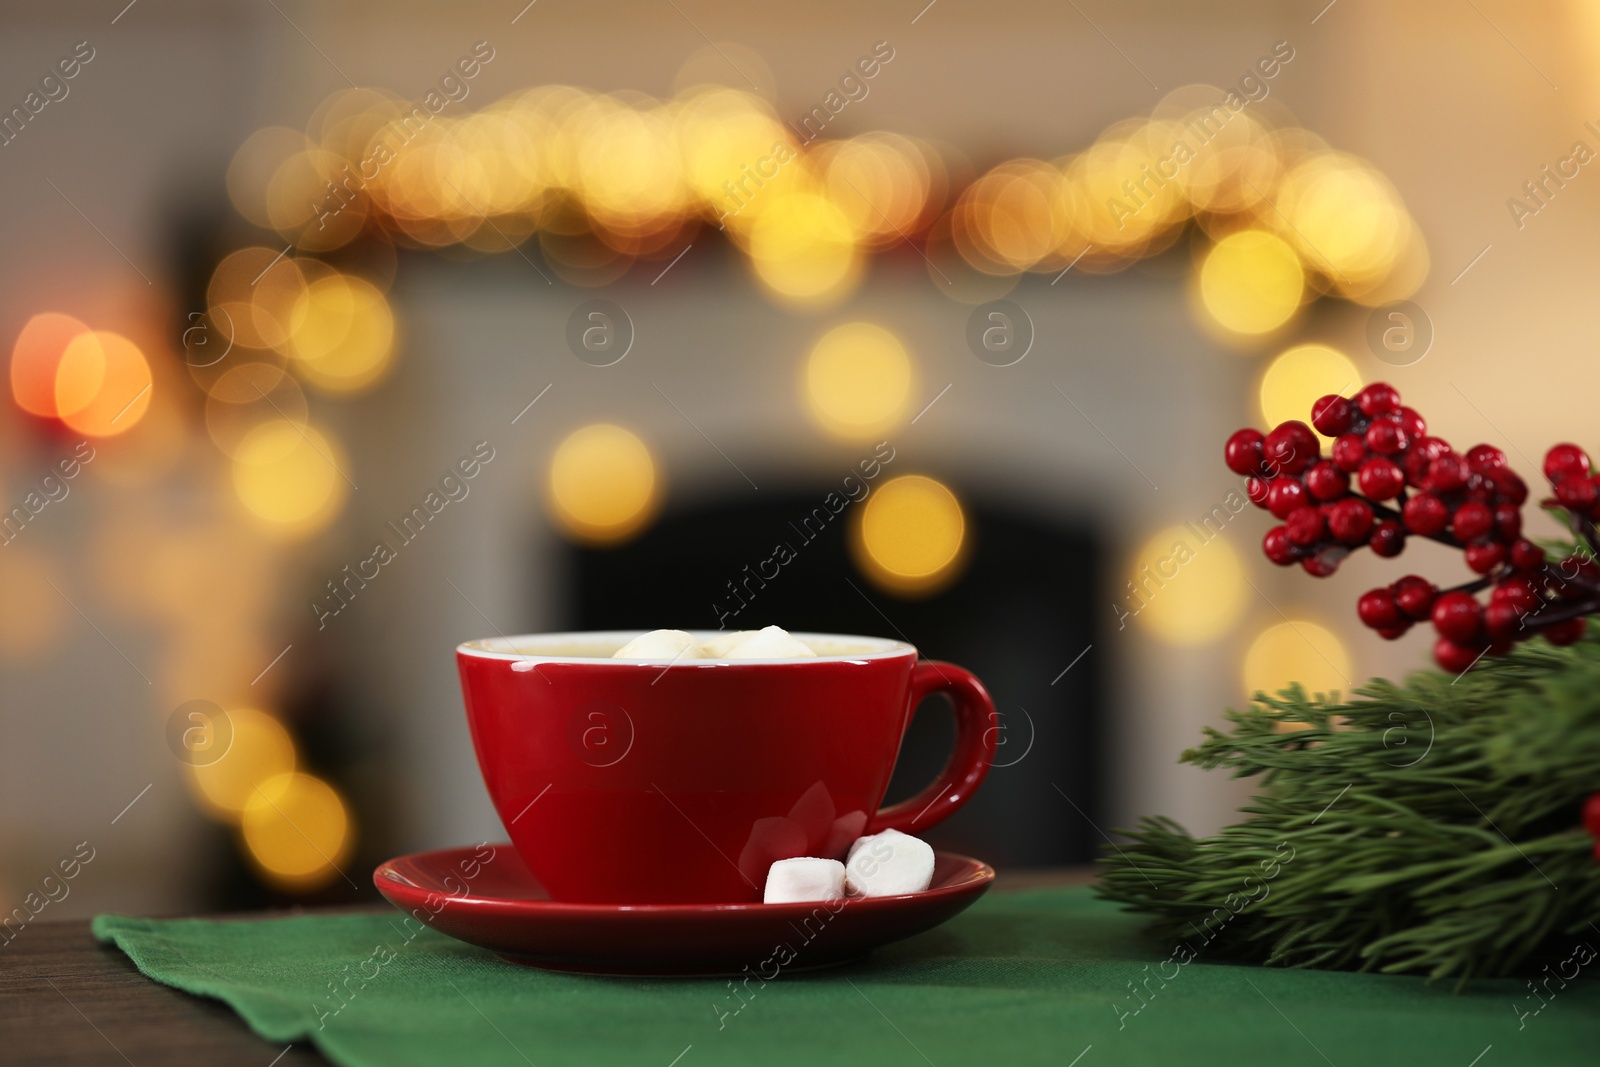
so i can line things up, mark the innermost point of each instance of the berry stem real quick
(1536, 621)
(1554, 573)
(1386, 512)
(1583, 526)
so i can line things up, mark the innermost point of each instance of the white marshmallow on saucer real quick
(771, 642)
(804, 878)
(661, 644)
(719, 646)
(887, 864)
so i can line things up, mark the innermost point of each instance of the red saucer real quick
(486, 897)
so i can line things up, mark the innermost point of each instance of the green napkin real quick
(1036, 977)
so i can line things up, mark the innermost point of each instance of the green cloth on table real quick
(1031, 977)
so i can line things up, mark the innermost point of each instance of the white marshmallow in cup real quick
(887, 864)
(719, 646)
(804, 879)
(771, 642)
(661, 644)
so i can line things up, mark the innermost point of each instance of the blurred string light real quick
(1301, 376)
(96, 382)
(1252, 282)
(1297, 651)
(857, 381)
(1186, 587)
(289, 476)
(911, 536)
(606, 179)
(296, 828)
(260, 749)
(603, 485)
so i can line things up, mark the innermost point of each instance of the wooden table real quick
(66, 999)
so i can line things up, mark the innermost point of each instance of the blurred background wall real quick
(153, 583)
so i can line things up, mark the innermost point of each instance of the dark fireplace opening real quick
(1021, 616)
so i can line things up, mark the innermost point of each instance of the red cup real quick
(648, 782)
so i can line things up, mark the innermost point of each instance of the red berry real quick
(1565, 633)
(1485, 458)
(1502, 621)
(1520, 593)
(1565, 459)
(1290, 448)
(1414, 596)
(1576, 493)
(1257, 489)
(1511, 487)
(1380, 478)
(1484, 558)
(1458, 617)
(1412, 423)
(1277, 547)
(1243, 453)
(1507, 522)
(1377, 399)
(1305, 526)
(1325, 562)
(1481, 489)
(1591, 814)
(1350, 520)
(1332, 415)
(1388, 539)
(1471, 521)
(1378, 610)
(1386, 438)
(1393, 632)
(1454, 657)
(1431, 447)
(1425, 514)
(1525, 555)
(1325, 481)
(1284, 496)
(1349, 452)
(1446, 474)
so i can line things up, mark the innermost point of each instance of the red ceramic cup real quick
(646, 782)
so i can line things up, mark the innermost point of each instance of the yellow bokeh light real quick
(1346, 220)
(260, 750)
(341, 333)
(911, 537)
(804, 249)
(857, 381)
(881, 181)
(288, 475)
(603, 484)
(1185, 590)
(1300, 377)
(1297, 651)
(297, 830)
(1251, 282)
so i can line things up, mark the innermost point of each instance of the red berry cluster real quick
(1409, 484)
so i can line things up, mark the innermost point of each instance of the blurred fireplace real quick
(1017, 616)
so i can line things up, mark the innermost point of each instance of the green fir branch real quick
(1434, 825)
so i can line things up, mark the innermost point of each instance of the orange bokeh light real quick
(102, 385)
(36, 358)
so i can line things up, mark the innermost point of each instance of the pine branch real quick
(1427, 827)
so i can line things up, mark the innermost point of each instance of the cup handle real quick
(977, 727)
